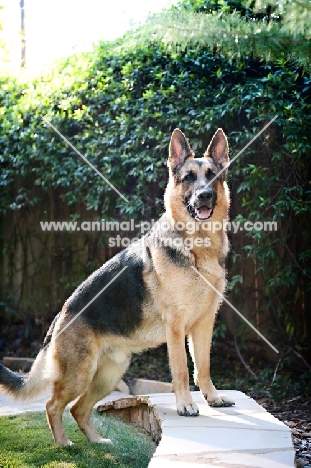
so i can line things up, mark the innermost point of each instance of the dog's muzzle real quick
(203, 204)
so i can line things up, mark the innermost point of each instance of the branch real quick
(242, 359)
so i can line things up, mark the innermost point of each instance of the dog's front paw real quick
(188, 410)
(219, 400)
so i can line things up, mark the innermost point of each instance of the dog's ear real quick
(218, 150)
(179, 150)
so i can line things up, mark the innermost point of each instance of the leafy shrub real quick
(118, 107)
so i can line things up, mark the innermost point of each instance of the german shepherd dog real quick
(168, 291)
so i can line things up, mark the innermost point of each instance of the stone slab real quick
(243, 459)
(252, 421)
(145, 387)
(211, 439)
(18, 364)
(242, 436)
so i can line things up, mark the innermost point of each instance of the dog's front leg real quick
(175, 335)
(200, 340)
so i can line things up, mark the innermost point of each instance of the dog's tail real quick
(27, 387)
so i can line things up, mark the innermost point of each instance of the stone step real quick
(242, 436)
(145, 387)
(18, 364)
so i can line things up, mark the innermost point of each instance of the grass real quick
(26, 441)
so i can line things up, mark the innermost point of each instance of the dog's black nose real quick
(205, 195)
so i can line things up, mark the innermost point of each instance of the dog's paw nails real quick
(228, 403)
(220, 401)
(188, 410)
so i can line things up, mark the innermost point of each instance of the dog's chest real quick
(190, 291)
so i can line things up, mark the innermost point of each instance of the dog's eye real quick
(210, 174)
(190, 177)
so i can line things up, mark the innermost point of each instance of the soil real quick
(296, 414)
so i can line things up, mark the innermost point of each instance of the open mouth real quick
(203, 212)
(199, 213)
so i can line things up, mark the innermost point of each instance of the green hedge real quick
(118, 107)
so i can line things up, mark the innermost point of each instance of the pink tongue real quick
(203, 212)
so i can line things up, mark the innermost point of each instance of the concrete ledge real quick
(18, 364)
(242, 436)
(145, 387)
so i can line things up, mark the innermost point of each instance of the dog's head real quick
(198, 179)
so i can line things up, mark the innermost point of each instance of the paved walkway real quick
(242, 436)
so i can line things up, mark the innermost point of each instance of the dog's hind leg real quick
(55, 407)
(73, 373)
(110, 369)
